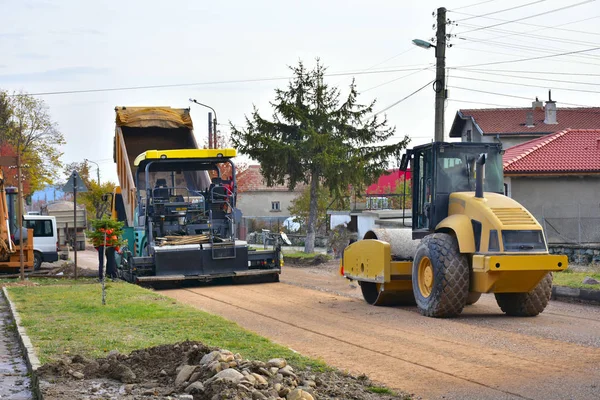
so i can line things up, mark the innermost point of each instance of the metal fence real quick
(571, 223)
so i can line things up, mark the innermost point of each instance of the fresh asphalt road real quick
(483, 354)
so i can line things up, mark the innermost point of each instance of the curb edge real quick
(31, 359)
(565, 293)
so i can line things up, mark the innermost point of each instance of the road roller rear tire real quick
(373, 295)
(440, 277)
(527, 304)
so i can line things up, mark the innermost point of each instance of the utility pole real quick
(440, 74)
(97, 169)
(210, 131)
(20, 216)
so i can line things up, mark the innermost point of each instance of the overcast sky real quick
(49, 46)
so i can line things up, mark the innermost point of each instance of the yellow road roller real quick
(467, 238)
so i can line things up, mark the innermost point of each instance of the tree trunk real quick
(309, 245)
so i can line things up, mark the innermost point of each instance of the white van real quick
(45, 238)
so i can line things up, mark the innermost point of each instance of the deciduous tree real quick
(318, 137)
(34, 136)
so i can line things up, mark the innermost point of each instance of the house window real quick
(469, 138)
(275, 206)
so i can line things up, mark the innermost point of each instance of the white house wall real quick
(258, 204)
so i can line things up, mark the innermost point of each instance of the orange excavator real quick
(10, 237)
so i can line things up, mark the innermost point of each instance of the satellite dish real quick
(285, 239)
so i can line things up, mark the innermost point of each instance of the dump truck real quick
(10, 237)
(178, 204)
(466, 238)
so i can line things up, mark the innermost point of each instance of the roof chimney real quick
(550, 118)
(529, 119)
(537, 105)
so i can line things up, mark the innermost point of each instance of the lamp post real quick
(439, 85)
(212, 133)
(97, 169)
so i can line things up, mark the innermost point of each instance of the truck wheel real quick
(37, 261)
(473, 298)
(527, 304)
(440, 277)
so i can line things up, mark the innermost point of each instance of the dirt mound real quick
(191, 370)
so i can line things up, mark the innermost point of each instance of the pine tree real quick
(318, 138)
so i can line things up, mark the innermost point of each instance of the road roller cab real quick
(467, 238)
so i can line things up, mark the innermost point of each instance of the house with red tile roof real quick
(557, 178)
(513, 126)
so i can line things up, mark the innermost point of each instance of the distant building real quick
(257, 200)
(513, 126)
(557, 178)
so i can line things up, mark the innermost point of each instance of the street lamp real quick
(212, 125)
(97, 169)
(422, 43)
(439, 85)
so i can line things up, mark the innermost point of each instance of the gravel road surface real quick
(483, 354)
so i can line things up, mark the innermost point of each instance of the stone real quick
(309, 383)
(261, 382)
(76, 374)
(224, 365)
(251, 379)
(287, 371)
(590, 281)
(122, 373)
(256, 395)
(230, 375)
(227, 358)
(195, 376)
(210, 357)
(277, 362)
(283, 391)
(185, 374)
(273, 370)
(185, 397)
(264, 372)
(215, 367)
(195, 388)
(299, 394)
(163, 372)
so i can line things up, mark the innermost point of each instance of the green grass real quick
(574, 279)
(380, 390)
(300, 254)
(48, 281)
(70, 319)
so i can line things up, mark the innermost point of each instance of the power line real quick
(518, 97)
(472, 5)
(115, 89)
(500, 11)
(528, 72)
(531, 58)
(394, 80)
(512, 54)
(543, 37)
(533, 78)
(525, 84)
(404, 98)
(518, 21)
(527, 48)
(483, 104)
